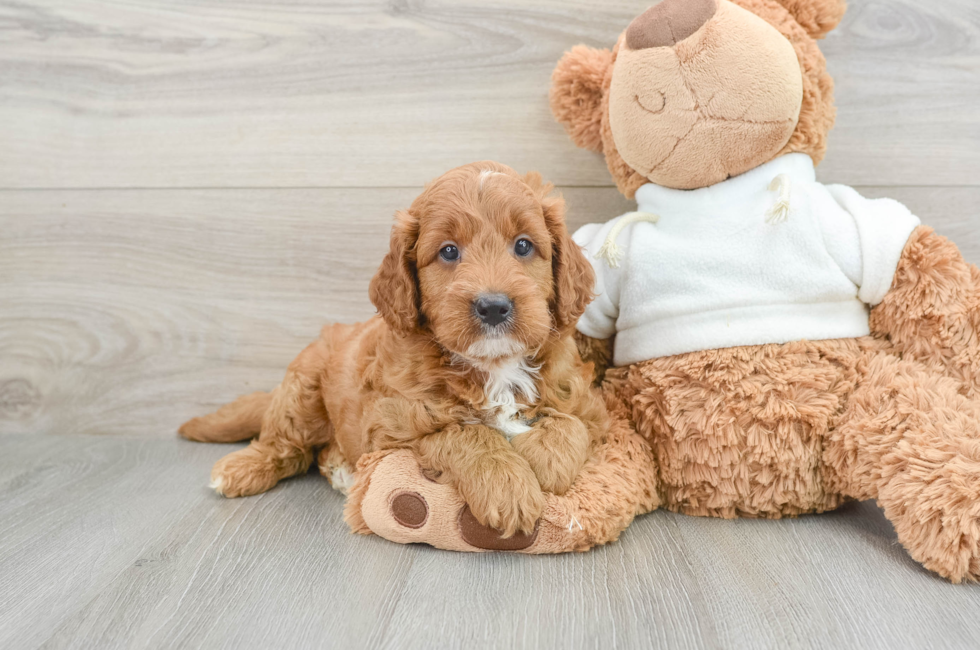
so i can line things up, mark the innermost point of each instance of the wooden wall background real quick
(190, 188)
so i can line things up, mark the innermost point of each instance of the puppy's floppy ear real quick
(817, 17)
(573, 275)
(576, 94)
(394, 288)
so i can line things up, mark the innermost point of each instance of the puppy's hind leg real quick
(294, 423)
(239, 420)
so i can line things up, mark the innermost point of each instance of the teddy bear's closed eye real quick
(783, 345)
(653, 102)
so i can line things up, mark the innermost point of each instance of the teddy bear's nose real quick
(668, 23)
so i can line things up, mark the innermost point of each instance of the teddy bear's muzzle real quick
(669, 23)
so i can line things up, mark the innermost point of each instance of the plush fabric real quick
(763, 428)
(668, 23)
(776, 430)
(618, 483)
(576, 94)
(776, 427)
(703, 109)
(815, 110)
(817, 17)
(717, 270)
(909, 439)
(932, 312)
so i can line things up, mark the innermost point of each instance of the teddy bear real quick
(782, 345)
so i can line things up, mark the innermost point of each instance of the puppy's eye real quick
(523, 248)
(449, 253)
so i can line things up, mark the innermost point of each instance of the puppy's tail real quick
(240, 420)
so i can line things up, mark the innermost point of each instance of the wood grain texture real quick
(126, 312)
(215, 179)
(116, 543)
(157, 93)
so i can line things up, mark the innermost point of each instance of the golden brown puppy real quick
(471, 364)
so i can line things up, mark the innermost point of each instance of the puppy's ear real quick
(394, 288)
(576, 94)
(817, 17)
(573, 275)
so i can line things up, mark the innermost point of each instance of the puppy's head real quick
(483, 262)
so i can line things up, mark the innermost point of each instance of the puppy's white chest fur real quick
(506, 380)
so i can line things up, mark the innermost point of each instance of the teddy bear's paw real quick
(406, 503)
(935, 513)
(482, 536)
(395, 498)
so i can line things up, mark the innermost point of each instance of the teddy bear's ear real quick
(576, 94)
(817, 17)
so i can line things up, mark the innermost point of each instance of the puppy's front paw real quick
(556, 449)
(553, 477)
(506, 497)
(243, 473)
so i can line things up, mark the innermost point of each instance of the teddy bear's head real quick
(696, 91)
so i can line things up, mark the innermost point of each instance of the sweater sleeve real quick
(599, 319)
(883, 227)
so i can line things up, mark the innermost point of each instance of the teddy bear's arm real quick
(932, 311)
(595, 333)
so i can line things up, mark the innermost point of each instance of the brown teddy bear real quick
(781, 344)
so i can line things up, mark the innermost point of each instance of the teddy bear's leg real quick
(401, 499)
(932, 311)
(740, 431)
(909, 439)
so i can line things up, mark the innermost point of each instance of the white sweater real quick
(720, 268)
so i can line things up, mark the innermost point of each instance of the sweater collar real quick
(798, 167)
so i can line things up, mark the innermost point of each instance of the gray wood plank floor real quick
(188, 190)
(116, 542)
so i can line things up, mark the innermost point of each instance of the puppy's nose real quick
(669, 22)
(493, 308)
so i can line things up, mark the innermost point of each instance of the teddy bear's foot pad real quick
(490, 539)
(404, 503)
(395, 498)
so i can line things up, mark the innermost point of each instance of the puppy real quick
(471, 364)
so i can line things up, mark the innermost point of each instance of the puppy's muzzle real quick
(492, 309)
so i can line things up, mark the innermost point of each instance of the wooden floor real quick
(190, 188)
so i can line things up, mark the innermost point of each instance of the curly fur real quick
(410, 379)
(615, 485)
(598, 352)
